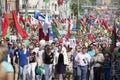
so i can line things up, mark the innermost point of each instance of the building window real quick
(24, 2)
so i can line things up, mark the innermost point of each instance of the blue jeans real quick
(75, 73)
(82, 72)
(107, 73)
(48, 71)
(24, 72)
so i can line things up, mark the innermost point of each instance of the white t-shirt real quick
(40, 54)
(83, 59)
(13, 38)
(36, 49)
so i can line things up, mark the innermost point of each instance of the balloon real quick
(39, 70)
(105, 31)
(42, 42)
(55, 39)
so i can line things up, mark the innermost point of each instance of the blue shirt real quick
(23, 57)
(107, 64)
(74, 62)
(91, 52)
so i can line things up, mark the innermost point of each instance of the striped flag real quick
(18, 27)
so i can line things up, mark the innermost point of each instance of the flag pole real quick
(0, 16)
(78, 8)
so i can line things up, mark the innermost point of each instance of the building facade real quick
(103, 2)
(50, 7)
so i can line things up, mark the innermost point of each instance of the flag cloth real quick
(46, 25)
(60, 2)
(41, 34)
(5, 24)
(8, 32)
(47, 36)
(105, 25)
(18, 27)
(55, 31)
(83, 24)
(26, 19)
(46, 0)
(90, 37)
(39, 16)
(78, 25)
(114, 36)
(21, 19)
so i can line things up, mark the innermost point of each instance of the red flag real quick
(21, 19)
(90, 37)
(104, 24)
(47, 36)
(41, 34)
(18, 27)
(83, 24)
(5, 24)
(60, 2)
(54, 21)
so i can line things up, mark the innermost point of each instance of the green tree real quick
(74, 4)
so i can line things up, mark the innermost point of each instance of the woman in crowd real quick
(98, 62)
(15, 60)
(23, 61)
(6, 69)
(32, 62)
(60, 60)
(48, 61)
(75, 64)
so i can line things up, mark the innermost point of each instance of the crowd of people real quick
(57, 59)
(86, 53)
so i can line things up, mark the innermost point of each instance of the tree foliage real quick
(74, 4)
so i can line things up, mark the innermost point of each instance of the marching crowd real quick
(64, 58)
(57, 59)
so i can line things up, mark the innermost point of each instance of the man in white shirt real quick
(13, 37)
(83, 60)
